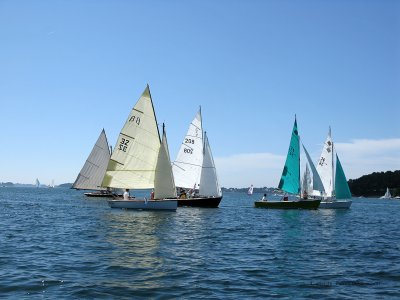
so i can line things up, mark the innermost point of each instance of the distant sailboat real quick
(387, 195)
(92, 173)
(141, 160)
(37, 183)
(250, 191)
(194, 169)
(290, 180)
(51, 185)
(337, 193)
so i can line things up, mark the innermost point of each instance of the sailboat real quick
(194, 169)
(37, 183)
(336, 192)
(290, 180)
(250, 191)
(92, 173)
(387, 195)
(140, 160)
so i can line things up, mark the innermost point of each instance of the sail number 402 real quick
(123, 145)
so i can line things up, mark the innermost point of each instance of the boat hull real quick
(335, 204)
(99, 195)
(208, 202)
(165, 204)
(302, 204)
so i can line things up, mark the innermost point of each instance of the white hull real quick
(335, 204)
(166, 204)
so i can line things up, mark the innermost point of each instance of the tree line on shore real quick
(375, 184)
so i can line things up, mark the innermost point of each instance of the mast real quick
(333, 169)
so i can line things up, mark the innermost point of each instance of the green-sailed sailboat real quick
(290, 180)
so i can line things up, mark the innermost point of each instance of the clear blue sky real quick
(70, 68)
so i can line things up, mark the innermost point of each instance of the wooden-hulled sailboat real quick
(336, 192)
(194, 169)
(92, 173)
(290, 180)
(141, 160)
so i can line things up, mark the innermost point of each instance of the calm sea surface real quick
(58, 244)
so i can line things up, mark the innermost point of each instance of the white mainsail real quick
(37, 182)
(325, 167)
(208, 180)
(387, 194)
(164, 185)
(92, 173)
(188, 164)
(250, 191)
(134, 159)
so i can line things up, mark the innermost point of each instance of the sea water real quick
(58, 244)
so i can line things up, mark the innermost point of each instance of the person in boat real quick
(182, 194)
(152, 194)
(264, 198)
(126, 194)
(285, 197)
(305, 195)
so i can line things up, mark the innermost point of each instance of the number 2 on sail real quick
(123, 145)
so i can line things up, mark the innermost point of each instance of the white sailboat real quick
(337, 193)
(194, 169)
(92, 173)
(141, 161)
(37, 183)
(387, 195)
(250, 191)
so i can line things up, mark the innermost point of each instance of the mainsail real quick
(250, 191)
(188, 164)
(92, 173)
(290, 180)
(37, 183)
(342, 190)
(325, 166)
(134, 159)
(208, 180)
(306, 182)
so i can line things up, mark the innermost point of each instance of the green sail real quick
(342, 189)
(290, 180)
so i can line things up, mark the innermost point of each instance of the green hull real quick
(302, 204)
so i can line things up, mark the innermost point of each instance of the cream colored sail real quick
(164, 186)
(133, 161)
(209, 181)
(188, 164)
(92, 173)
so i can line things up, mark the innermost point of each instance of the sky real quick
(68, 69)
